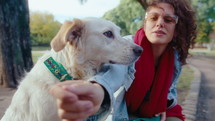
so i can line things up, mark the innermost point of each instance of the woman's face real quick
(160, 23)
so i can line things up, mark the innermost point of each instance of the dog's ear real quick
(70, 32)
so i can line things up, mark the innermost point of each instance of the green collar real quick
(57, 70)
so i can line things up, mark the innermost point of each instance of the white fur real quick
(81, 54)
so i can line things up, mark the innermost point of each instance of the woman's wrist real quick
(106, 97)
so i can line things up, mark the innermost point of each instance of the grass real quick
(40, 48)
(37, 51)
(183, 87)
(36, 55)
(202, 51)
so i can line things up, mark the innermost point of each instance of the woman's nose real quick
(160, 22)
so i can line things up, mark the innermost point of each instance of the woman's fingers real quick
(74, 115)
(163, 116)
(77, 100)
(60, 92)
(77, 106)
(88, 91)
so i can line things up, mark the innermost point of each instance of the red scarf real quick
(147, 78)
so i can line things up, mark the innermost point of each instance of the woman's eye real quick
(153, 18)
(108, 34)
(169, 20)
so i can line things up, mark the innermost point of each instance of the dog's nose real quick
(137, 51)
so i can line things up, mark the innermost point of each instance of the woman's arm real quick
(77, 100)
(172, 95)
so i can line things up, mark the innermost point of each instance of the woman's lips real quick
(159, 33)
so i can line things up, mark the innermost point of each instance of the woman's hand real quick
(77, 100)
(162, 115)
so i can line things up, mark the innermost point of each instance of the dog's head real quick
(97, 40)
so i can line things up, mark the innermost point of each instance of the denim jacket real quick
(116, 79)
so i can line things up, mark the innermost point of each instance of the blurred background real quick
(28, 26)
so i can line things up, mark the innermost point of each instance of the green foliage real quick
(128, 15)
(43, 28)
(205, 10)
(204, 29)
(213, 25)
(186, 76)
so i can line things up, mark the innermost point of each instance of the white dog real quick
(81, 46)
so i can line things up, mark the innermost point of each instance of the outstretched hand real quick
(77, 100)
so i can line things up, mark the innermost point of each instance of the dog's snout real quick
(137, 51)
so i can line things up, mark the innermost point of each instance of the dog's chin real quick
(130, 61)
(112, 62)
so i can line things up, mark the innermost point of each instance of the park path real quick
(5, 99)
(206, 99)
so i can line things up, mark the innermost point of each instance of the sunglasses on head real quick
(168, 18)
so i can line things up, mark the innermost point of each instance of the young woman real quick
(147, 88)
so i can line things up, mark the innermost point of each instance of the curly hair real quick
(186, 28)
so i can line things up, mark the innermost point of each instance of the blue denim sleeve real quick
(112, 77)
(172, 95)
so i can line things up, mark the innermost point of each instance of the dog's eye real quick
(109, 34)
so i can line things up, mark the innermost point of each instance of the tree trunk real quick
(15, 44)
